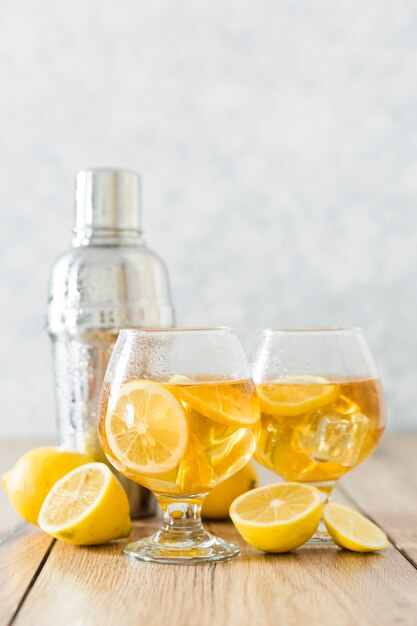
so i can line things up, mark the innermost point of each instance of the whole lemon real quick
(216, 505)
(33, 476)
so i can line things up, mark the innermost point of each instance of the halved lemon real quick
(231, 403)
(349, 529)
(294, 395)
(88, 506)
(277, 518)
(146, 429)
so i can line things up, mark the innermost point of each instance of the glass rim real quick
(179, 330)
(343, 330)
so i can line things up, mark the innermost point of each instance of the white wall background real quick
(278, 146)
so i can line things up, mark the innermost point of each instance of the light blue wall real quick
(278, 145)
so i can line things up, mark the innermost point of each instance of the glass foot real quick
(182, 547)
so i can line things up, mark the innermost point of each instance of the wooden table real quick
(44, 582)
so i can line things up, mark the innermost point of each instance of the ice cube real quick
(331, 436)
(345, 406)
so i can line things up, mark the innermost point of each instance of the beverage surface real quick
(316, 429)
(179, 437)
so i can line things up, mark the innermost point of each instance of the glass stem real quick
(181, 516)
(325, 489)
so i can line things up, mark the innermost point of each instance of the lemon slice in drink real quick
(147, 429)
(349, 529)
(88, 506)
(277, 518)
(228, 402)
(294, 395)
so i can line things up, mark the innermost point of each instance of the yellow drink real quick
(219, 418)
(315, 430)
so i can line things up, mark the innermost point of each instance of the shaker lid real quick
(107, 199)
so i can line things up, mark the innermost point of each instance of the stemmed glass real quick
(322, 409)
(178, 411)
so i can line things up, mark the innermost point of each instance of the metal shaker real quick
(109, 279)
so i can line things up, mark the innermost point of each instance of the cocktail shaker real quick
(108, 280)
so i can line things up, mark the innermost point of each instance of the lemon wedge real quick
(88, 506)
(349, 529)
(277, 518)
(294, 395)
(147, 428)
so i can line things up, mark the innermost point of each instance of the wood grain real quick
(385, 488)
(22, 554)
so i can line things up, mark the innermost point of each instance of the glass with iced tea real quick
(322, 408)
(178, 414)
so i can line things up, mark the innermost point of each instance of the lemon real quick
(294, 395)
(88, 506)
(216, 505)
(146, 430)
(232, 404)
(349, 529)
(30, 480)
(277, 518)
